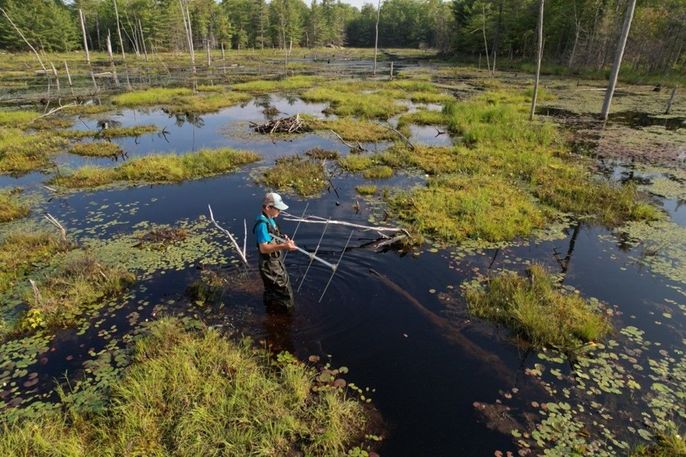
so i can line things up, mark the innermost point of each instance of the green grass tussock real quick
(11, 207)
(378, 172)
(137, 130)
(160, 168)
(366, 189)
(353, 129)
(321, 154)
(79, 281)
(296, 174)
(21, 152)
(536, 309)
(205, 104)
(149, 97)
(422, 117)
(454, 208)
(191, 394)
(100, 149)
(349, 100)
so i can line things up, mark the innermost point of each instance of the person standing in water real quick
(277, 285)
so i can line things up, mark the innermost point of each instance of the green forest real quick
(577, 33)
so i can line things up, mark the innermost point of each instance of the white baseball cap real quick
(275, 200)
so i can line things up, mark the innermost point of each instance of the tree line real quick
(577, 33)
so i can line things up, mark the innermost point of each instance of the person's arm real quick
(268, 248)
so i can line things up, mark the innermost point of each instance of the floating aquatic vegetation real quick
(296, 174)
(147, 409)
(668, 182)
(659, 246)
(160, 168)
(100, 149)
(349, 99)
(537, 309)
(197, 247)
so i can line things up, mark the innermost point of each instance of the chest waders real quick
(277, 284)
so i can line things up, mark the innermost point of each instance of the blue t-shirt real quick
(261, 230)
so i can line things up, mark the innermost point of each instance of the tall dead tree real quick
(189, 33)
(628, 18)
(483, 30)
(671, 99)
(376, 36)
(534, 97)
(85, 39)
(121, 41)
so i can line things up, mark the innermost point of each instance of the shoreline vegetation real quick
(194, 393)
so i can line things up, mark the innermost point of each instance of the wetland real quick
(537, 308)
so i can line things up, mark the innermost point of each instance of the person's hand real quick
(290, 244)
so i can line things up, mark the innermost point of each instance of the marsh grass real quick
(99, 149)
(78, 281)
(16, 118)
(162, 168)
(366, 189)
(669, 444)
(21, 152)
(20, 253)
(150, 97)
(454, 208)
(351, 129)
(286, 84)
(347, 99)
(535, 308)
(507, 174)
(199, 394)
(11, 205)
(201, 104)
(296, 174)
(136, 130)
(378, 172)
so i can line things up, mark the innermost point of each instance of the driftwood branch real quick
(241, 253)
(57, 224)
(53, 111)
(357, 147)
(403, 137)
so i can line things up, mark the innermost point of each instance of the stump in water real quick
(293, 124)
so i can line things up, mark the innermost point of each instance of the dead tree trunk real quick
(109, 52)
(483, 29)
(189, 32)
(66, 69)
(539, 58)
(618, 60)
(376, 35)
(85, 40)
(121, 41)
(671, 99)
